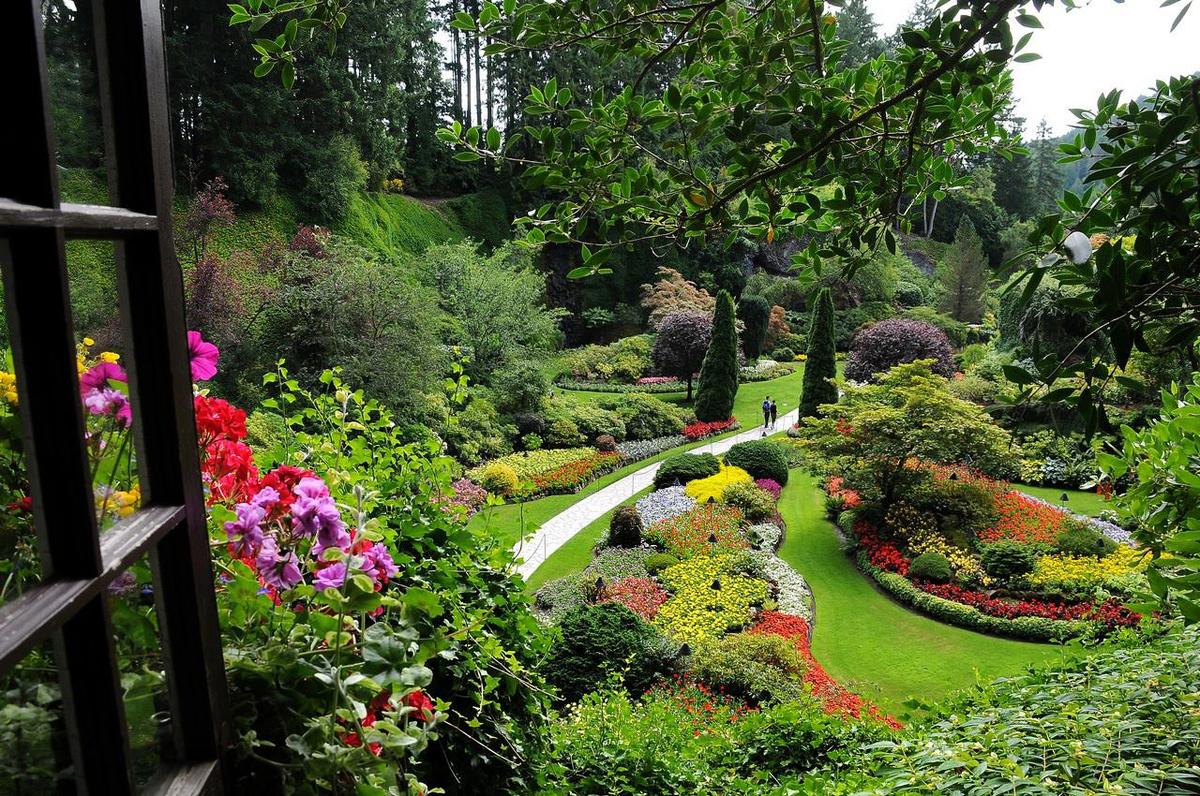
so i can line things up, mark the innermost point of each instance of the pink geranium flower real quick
(204, 356)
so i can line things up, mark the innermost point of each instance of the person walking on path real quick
(774, 414)
(766, 410)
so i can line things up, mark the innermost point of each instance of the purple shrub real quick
(883, 345)
(770, 486)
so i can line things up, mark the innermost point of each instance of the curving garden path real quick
(558, 530)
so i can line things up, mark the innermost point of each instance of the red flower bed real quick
(836, 488)
(1111, 613)
(572, 475)
(701, 706)
(836, 699)
(1024, 520)
(643, 596)
(691, 534)
(882, 555)
(698, 430)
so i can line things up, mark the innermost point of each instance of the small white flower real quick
(1079, 246)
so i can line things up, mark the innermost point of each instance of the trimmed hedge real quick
(604, 386)
(686, 467)
(1025, 628)
(760, 458)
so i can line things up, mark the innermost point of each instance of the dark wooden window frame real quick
(70, 605)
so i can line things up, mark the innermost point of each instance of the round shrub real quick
(883, 345)
(930, 566)
(660, 561)
(907, 294)
(563, 433)
(625, 529)
(1080, 540)
(1006, 560)
(647, 417)
(760, 458)
(783, 354)
(605, 442)
(758, 667)
(755, 502)
(686, 467)
(499, 478)
(596, 640)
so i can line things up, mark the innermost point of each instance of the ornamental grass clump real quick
(705, 530)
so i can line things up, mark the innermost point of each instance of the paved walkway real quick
(555, 532)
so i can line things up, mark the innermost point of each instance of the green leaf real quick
(1025, 58)
(423, 600)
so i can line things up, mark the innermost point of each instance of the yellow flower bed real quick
(702, 489)
(966, 566)
(1088, 571)
(697, 612)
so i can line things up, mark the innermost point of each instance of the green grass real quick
(1080, 502)
(507, 519)
(870, 643)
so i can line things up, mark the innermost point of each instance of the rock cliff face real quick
(556, 261)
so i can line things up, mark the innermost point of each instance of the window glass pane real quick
(75, 101)
(34, 754)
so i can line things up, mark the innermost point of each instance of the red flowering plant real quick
(701, 430)
(836, 698)
(1110, 613)
(1026, 521)
(643, 596)
(709, 529)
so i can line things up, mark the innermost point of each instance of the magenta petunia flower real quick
(99, 376)
(204, 356)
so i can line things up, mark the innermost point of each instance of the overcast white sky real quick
(1088, 52)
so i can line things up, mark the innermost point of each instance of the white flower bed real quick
(636, 449)
(766, 536)
(664, 504)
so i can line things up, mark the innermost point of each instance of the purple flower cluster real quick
(260, 534)
(771, 486)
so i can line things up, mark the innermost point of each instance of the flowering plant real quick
(701, 489)
(700, 430)
(705, 529)
(1024, 520)
(643, 596)
(707, 600)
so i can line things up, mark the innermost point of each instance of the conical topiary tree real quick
(755, 313)
(719, 372)
(821, 366)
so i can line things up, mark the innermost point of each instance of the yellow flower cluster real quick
(1088, 571)
(966, 566)
(8, 386)
(910, 523)
(119, 503)
(698, 612)
(702, 489)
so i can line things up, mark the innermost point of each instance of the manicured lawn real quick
(872, 644)
(747, 406)
(1080, 502)
(507, 519)
(576, 553)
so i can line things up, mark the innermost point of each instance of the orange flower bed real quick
(1025, 521)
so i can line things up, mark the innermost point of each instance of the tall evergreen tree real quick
(719, 372)
(856, 24)
(821, 366)
(755, 313)
(964, 276)
(1046, 178)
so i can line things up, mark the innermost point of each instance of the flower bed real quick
(708, 529)
(674, 385)
(643, 596)
(699, 430)
(663, 504)
(707, 601)
(1063, 571)
(552, 471)
(702, 490)
(638, 449)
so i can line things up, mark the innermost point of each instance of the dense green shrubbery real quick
(597, 641)
(1006, 560)
(760, 458)
(625, 528)
(646, 417)
(1078, 539)
(624, 361)
(955, 331)
(755, 502)
(718, 383)
(930, 566)
(1121, 721)
(759, 667)
(685, 467)
(660, 561)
